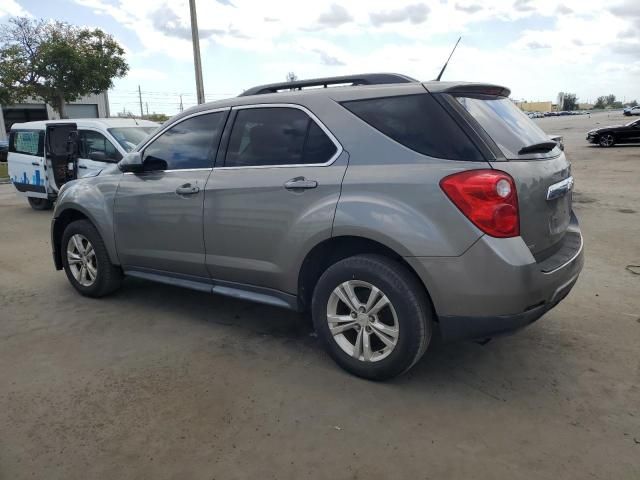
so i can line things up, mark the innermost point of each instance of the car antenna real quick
(447, 62)
(134, 119)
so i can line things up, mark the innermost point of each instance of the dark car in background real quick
(4, 148)
(609, 136)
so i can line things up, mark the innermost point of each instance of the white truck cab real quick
(46, 154)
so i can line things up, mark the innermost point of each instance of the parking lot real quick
(164, 383)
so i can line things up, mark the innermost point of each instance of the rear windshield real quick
(506, 124)
(417, 122)
(129, 137)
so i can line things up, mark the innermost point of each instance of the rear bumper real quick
(496, 286)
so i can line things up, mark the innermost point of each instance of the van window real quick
(418, 122)
(188, 144)
(95, 146)
(277, 136)
(27, 142)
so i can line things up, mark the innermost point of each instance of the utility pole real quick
(147, 105)
(196, 51)
(140, 98)
(181, 107)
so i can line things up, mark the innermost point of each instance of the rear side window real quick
(27, 142)
(417, 122)
(277, 136)
(506, 124)
(187, 144)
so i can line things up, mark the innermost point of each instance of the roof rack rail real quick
(364, 79)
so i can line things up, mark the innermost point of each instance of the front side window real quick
(188, 144)
(95, 146)
(27, 142)
(277, 136)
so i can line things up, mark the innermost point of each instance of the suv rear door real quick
(272, 195)
(542, 177)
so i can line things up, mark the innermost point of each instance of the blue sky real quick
(535, 47)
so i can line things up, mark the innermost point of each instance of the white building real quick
(91, 106)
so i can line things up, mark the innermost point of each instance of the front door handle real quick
(187, 189)
(300, 183)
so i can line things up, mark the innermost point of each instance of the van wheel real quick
(86, 261)
(40, 203)
(372, 316)
(607, 140)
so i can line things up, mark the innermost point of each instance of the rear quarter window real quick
(27, 142)
(418, 122)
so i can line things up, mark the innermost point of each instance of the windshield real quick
(632, 122)
(129, 137)
(506, 124)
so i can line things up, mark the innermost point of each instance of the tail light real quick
(486, 197)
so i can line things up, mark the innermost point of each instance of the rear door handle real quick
(82, 166)
(35, 164)
(187, 189)
(300, 183)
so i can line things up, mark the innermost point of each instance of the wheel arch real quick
(334, 249)
(60, 223)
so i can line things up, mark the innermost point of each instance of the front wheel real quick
(86, 262)
(607, 140)
(372, 315)
(40, 203)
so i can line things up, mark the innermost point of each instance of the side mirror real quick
(131, 162)
(98, 156)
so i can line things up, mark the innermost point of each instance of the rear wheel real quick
(607, 140)
(40, 203)
(372, 316)
(86, 261)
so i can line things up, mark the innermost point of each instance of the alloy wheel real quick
(82, 260)
(607, 140)
(362, 321)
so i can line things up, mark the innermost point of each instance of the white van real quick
(44, 155)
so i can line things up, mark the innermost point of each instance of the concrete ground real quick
(163, 383)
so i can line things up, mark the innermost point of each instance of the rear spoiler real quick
(478, 89)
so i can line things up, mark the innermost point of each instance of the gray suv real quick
(387, 207)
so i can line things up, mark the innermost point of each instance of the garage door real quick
(82, 111)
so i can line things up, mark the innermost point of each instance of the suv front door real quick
(158, 212)
(271, 196)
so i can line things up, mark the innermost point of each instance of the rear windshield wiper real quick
(541, 147)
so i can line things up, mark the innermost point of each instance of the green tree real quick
(56, 62)
(611, 99)
(157, 117)
(570, 101)
(601, 102)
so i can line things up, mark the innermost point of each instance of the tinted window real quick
(417, 122)
(94, 144)
(506, 124)
(277, 136)
(27, 142)
(188, 144)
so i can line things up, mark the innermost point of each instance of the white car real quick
(632, 111)
(92, 144)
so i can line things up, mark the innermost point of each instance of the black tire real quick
(40, 203)
(108, 277)
(409, 300)
(607, 140)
